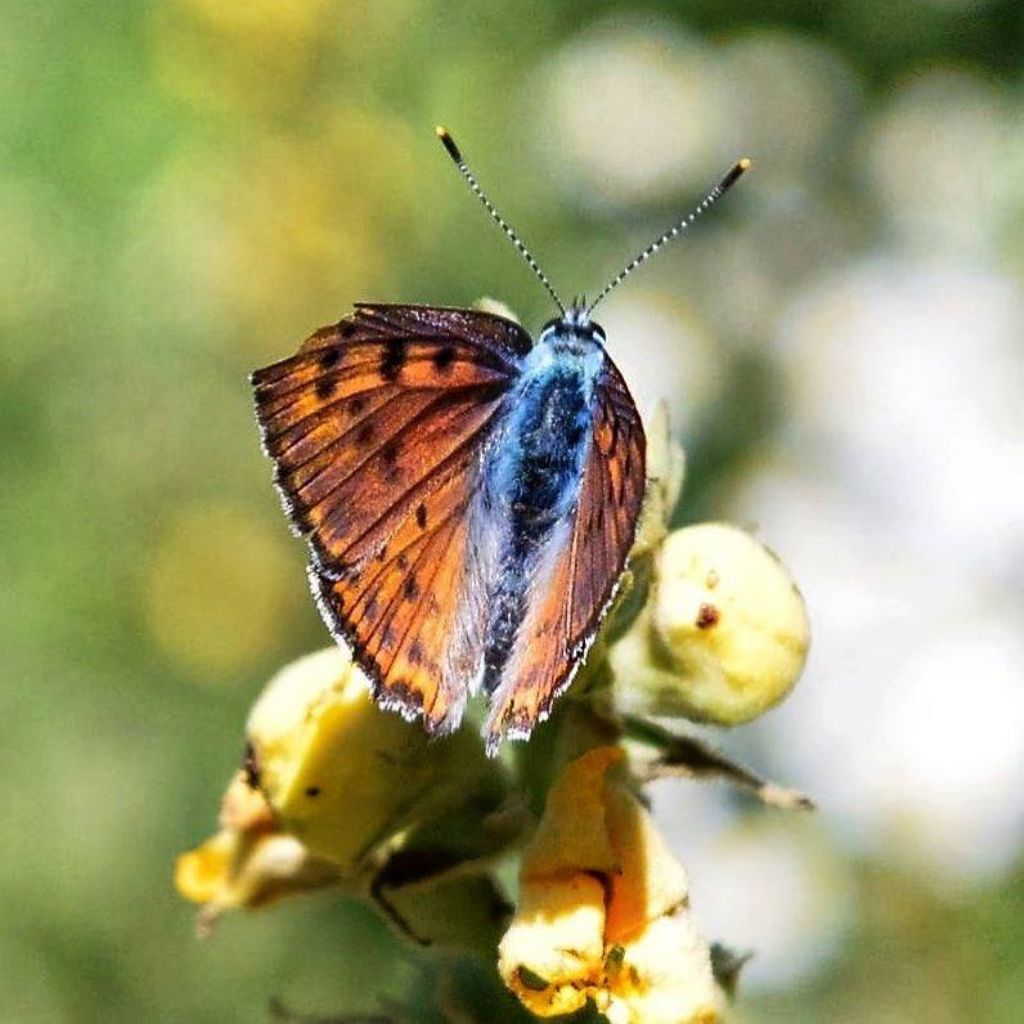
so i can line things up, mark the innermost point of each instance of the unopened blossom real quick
(346, 778)
(723, 636)
(666, 471)
(336, 791)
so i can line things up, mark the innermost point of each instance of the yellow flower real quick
(337, 791)
(249, 863)
(724, 635)
(348, 779)
(603, 911)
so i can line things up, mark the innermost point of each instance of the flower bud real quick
(666, 470)
(335, 791)
(345, 777)
(724, 636)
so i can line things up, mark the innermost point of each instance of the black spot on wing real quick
(330, 357)
(393, 359)
(443, 358)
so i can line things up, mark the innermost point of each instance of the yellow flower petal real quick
(333, 789)
(555, 946)
(572, 834)
(202, 874)
(649, 882)
(603, 911)
(249, 862)
(666, 977)
(497, 307)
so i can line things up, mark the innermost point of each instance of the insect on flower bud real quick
(725, 634)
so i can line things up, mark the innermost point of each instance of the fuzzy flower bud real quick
(335, 791)
(666, 471)
(346, 778)
(724, 635)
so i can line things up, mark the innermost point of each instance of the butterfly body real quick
(470, 497)
(531, 477)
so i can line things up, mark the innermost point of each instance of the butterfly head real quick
(574, 325)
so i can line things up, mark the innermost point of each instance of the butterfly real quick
(469, 494)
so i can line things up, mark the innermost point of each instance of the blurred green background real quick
(188, 187)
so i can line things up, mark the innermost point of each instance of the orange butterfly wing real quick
(376, 428)
(565, 611)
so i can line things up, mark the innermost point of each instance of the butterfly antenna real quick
(707, 202)
(453, 151)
